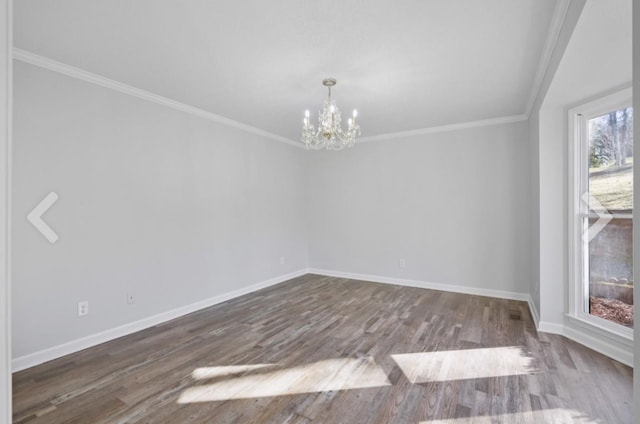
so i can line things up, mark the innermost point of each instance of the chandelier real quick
(329, 134)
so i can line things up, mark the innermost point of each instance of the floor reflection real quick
(449, 365)
(321, 376)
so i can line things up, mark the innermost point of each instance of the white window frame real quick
(578, 154)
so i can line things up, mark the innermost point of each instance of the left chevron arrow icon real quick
(35, 217)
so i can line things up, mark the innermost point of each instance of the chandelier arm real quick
(329, 133)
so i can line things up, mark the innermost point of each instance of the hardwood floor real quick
(330, 350)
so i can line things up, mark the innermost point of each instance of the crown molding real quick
(445, 128)
(72, 71)
(557, 20)
(77, 73)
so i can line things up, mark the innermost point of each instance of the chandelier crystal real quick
(329, 133)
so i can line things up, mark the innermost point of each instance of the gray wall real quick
(455, 205)
(6, 28)
(155, 202)
(534, 234)
(553, 214)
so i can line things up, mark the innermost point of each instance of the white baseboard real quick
(48, 354)
(604, 345)
(622, 354)
(603, 342)
(550, 327)
(534, 312)
(424, 284)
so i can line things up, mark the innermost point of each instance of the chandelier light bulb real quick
(329, 133)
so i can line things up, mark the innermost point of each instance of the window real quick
(601, 213)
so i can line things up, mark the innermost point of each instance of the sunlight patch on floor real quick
(207, 373)
(321, 376)
(450, 365)
(555, 416)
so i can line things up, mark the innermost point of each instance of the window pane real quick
(610, 184)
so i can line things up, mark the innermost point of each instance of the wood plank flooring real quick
(328, 350)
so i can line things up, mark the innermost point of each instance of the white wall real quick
(570, 18)
(152, 201)
(595, 62)
(455, 205)
(5, 161)
(534, 229)
(553, 215)
(534, 233)
(604, 28)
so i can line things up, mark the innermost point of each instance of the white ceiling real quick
(406, 65)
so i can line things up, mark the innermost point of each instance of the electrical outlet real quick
(131, 299)
(83, 308)
(281, 260)
(402, 263)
